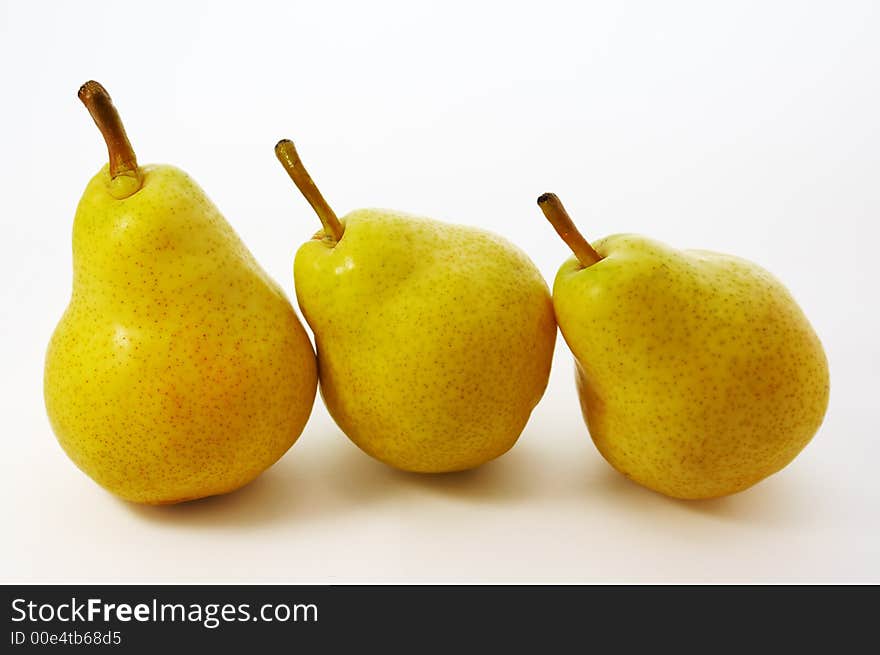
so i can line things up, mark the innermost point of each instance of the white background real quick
(747, 127)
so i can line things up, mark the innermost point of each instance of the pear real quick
(434, 341)
(179, 369)
(698, 374)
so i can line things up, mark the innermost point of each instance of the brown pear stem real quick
(565, 227)
(289, 158)
(122, 158)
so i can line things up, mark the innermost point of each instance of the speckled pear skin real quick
(179, 369)
(434, 340)
(698, 373)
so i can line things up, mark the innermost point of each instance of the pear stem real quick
(289, 158)
(122, 158)
(565, 227)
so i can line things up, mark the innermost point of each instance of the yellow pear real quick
(179, 369)
(698, 373)
(434, 340)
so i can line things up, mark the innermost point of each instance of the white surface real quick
(750, 128)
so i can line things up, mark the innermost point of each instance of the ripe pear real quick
(179, 369)
(434, 341)
(698, 373)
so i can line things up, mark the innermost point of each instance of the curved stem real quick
(565, 227)
(122, 158)
(289, 158)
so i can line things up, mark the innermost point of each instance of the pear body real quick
(179, 369)
(434, 341)
(698, 373)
